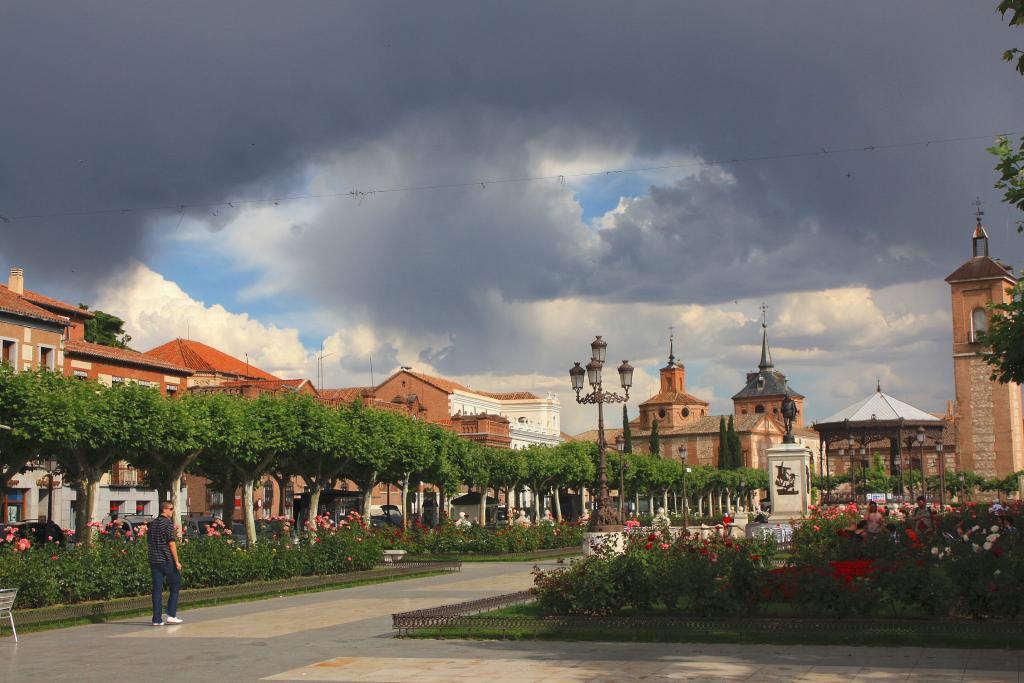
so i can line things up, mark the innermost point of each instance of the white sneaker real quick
(156, 623)
(173, 620)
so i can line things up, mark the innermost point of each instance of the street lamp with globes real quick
(605, 517)
(683, 450)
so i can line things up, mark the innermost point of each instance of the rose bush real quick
(449, 538)
(46, 574)
(961, 562)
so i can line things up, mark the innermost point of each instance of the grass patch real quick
(900, 634)
(214, 602)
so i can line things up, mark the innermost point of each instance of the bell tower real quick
(990, 436)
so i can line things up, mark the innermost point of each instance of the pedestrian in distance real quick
(164, 564)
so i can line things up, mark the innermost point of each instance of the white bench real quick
(7, 596)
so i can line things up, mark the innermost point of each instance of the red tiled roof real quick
(981, 268)
(346, 394)
(50, 302)
(445, 385)
(202, 358)
(18, 305)
(674, 397)
(115, 355)
(449, 386)
(267, 383)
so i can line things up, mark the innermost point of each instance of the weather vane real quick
(978, 213)
(764, 314)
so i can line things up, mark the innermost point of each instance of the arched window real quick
(759, 408)
(686, 412)
(979, 322)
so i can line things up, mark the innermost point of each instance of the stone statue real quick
(788, 415)
(522, 519)
(547, 518)
(661, 520)
(463, 520)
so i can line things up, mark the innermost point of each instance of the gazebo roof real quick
(879, 406)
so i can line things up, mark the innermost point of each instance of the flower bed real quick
(119, 567)
(450, 538)
(967, 564)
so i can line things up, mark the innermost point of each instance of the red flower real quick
(997, 551)
(649, 546)
(652, 537)
(912, 535)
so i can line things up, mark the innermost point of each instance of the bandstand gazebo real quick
(910, 437)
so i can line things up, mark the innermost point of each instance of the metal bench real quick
(7, 596)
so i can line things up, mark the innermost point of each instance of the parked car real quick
(389, 515)
(39, 531)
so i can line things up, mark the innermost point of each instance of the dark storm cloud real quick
(135, 104)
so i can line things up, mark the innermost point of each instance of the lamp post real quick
(605, 517)
(920, 452)
(864, 471)
(50, 466)
(620, 446)
(942, 475)
(683, 450)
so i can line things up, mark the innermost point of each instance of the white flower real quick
(975, 547)
(992, 538)
(935, 551)
(995, 527)
(974, 528)
(997, 572)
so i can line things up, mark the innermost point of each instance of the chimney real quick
(16, 283)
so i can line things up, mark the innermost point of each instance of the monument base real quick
(789, 472)
(615, 541)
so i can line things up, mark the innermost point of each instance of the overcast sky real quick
(114, 106)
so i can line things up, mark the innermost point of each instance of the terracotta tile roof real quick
(202, 358)
(445, 385)
(450, 386)
(110, 354)
(269, 384)
(346, 394)
(18, 305)
(591, 435)
(49, 302)
(508, 395)
(674, 397)
(979, 268)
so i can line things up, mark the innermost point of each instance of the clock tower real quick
(990, 438)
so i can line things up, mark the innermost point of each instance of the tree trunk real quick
(227, 494)
(314, 501)
(558, 505)
(583, 501)
(247, 515)
(175, 489)
(368, 496)
(92, 506)
(482, 511)
(405, 501)
(81, 512)
(442, 500)
(664, 500)
(537, 499)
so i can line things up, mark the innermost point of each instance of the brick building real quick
(988, 414)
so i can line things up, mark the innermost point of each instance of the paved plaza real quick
(345, 635)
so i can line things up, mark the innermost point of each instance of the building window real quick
(759, 408)
(171, 390)
(686, 412)
(10, 353)
(81, 374)
(12, 505)
(661, 412)
(116, 507)
(47, 358)
(116, 380)
(142, 507)
(979, 323)
(268, 494)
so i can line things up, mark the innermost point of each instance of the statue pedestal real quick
(789, 485)
(595, 540)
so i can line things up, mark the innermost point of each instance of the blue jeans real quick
(161, 573)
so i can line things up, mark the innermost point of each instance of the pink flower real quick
(10, 538)
(23, 544)
(53, 557)
(664, 546)
(349, 558)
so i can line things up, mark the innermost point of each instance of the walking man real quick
(164, 564)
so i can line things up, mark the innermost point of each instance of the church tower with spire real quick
(988, 414)
(766, 388)
(672, 407)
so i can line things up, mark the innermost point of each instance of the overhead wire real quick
(560, 178)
